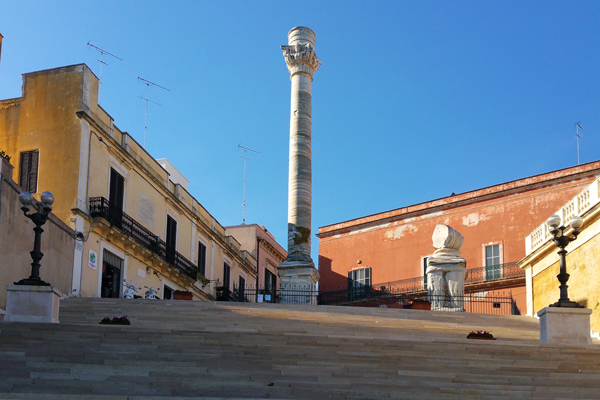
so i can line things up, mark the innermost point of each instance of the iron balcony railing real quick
(101, 207)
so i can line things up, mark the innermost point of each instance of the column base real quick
(565, 325)
(297, 282)
(32, 303)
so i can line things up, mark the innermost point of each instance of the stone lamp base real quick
(565, 325)
(32, 303)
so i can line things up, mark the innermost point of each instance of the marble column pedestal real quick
(446, 287)
(565, 325)
(32, 303)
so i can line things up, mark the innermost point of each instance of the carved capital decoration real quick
(301, 57)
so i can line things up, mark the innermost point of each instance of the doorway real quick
(112, 267)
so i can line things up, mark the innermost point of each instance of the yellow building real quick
(138, 221)
(583, 258)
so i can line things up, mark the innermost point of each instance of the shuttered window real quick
(226, 275)
(28, 170)
(202, 258)
(117, 189)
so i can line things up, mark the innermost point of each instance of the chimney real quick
(1, 46)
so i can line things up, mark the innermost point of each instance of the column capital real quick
(301, 57)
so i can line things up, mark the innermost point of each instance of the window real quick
(226, 275)
(117, 189)
(359, 283)
(202, 258)
(242, 288)
(270, 281)
(171, 239)
(493, 267)
(115, 197)
(28, 170)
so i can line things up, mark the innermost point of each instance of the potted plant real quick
(122, 320)
(182, 295)
(481, 335)
(420, 304)
(202, 280)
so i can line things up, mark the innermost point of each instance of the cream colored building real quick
(583, 258)
(137, 218)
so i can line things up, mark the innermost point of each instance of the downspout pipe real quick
(257, 264)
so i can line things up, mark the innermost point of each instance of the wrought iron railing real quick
(474, 276)
(486, 303)
(101, 207)
(409, 288)
(494, 273)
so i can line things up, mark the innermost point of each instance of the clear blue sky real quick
(414, 100)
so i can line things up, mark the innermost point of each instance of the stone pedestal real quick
(446, 287)
(446, 271)
(32, 303)
(297, 284)
(565, 325)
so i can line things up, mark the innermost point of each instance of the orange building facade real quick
(382, 249)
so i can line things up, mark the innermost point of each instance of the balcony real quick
(101, 208)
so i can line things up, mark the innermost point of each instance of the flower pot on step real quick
(183, 296)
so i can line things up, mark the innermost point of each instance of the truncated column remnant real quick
(298, 271)
(446, 270)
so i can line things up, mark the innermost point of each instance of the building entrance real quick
(112, 267)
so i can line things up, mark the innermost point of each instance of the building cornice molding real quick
(460, 200)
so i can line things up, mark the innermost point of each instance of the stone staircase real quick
(185, 349)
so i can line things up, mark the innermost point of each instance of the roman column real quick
(298, 270)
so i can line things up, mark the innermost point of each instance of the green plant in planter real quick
(4, 155)
(116, 320)
(182, 291)
(202, 279)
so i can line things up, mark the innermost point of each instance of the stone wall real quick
(16, 241)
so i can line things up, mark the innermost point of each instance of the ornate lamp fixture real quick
(561, 240)
(44, 208)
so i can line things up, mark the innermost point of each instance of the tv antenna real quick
(148, 83)
(101, 60)
(577, 128)
(245, 150)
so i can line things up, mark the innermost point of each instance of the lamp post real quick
(44, 208)
(561, 240)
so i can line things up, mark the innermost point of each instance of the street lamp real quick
(561, 241)
(44, 208)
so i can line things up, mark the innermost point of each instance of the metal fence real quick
(474, 276)
(253, 294)
(480, 302)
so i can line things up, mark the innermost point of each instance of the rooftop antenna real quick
(246, 150)
(101, 60)
(577, 128)
(148, 83)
